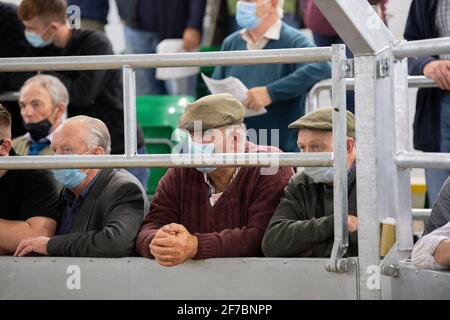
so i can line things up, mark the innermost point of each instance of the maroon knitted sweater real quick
(233, 227)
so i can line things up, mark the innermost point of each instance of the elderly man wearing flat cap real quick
(212, 212)
(303, 225)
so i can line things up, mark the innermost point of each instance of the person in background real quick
(431, 19)
(97, 93)
(12, 45)
(100, 210)
(148, 22)
(290, 9)
(29, 198)
(280, 88)
(43, 101)
(94, 14)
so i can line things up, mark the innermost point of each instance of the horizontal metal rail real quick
(421, 214)
(316, 90)
(426, 160)
(428, 47)
(317, 159)
(191, 59)
(9, 96)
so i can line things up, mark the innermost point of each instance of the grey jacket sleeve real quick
(292, 234)
(124, 214)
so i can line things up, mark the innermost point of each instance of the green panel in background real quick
(158, 117)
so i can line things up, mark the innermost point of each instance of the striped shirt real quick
(443, 22)
(422, 256)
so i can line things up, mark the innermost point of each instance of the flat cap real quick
(322, 119)
(213, 111)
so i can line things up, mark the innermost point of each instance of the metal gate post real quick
(340, 194)
(401, 187)
(374, 128)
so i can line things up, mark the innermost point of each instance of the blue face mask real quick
(246, 15)
(36, 40)
(206, 149)
(69, 178)
(320, 174)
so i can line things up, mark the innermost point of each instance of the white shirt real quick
(273, 33)
(422, 256)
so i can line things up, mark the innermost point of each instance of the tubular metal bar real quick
(421, 214)
(9, 96)
(426, 160)
(129, 111)
(313, 96)
(428, 47)
(319, 159)
(340, 198)
(191, 59)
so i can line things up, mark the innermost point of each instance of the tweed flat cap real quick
(322, 119)
(213, 111)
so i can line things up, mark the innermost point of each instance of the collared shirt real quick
(37, 146)
(273, 33)
(443, 22)
(49, 137)
(213, 196)
(423, 251)
(72, 208)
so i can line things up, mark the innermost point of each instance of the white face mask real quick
(320, 174)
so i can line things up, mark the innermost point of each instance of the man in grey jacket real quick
(303, 224)
(100, 210)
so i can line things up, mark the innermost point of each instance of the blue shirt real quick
(72, 208)
(288, 84)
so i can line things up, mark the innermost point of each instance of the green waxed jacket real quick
(303, 223)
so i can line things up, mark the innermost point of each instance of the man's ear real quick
(350, 144)
(60, 109)
(5, 148)
(99, 151)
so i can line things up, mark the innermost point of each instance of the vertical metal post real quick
(129, 110)
(340, 194)
(401, 187)
(404, 231)
(376, 180)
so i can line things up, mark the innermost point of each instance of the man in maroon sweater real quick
(212, 212)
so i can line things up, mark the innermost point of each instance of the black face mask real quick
(39, 129)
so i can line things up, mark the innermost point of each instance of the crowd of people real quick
(196, 213)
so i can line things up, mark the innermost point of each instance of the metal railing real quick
(127, 63)
(313, 101)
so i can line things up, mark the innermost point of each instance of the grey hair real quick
(97, 132)
(55, 88)
(280, 11)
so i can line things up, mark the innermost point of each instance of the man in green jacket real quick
(303, 223)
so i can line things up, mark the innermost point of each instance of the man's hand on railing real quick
(439, 71)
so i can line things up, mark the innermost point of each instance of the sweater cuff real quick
(144, 249)
(206, 247)
(272, 94)
(423, 61)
